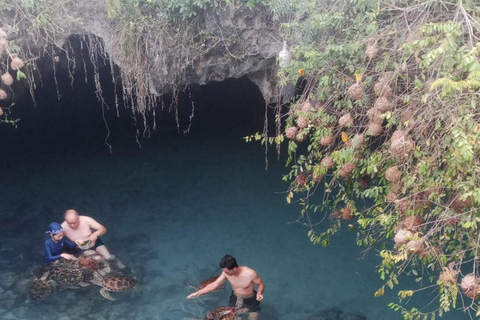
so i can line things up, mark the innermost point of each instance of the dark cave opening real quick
(67, 113)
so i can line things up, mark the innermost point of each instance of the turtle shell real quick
(38, 289)
(118, 284)
(89, 263)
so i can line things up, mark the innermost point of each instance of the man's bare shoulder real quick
(248, 272)
(86, 219)
(64, 224)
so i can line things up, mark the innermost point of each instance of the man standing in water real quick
(242, 279)
(79, 229)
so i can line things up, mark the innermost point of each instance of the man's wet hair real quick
(228, 262)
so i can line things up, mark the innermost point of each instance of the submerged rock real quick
(8, 278)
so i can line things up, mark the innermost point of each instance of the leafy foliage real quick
(385, 137)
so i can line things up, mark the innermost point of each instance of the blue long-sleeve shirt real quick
(53, 249)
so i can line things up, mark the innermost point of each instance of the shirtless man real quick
(242, 280)
(79, 229)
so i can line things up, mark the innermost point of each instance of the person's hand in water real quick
(68, 256)
(193, 295)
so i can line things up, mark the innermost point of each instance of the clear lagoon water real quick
(173, 208)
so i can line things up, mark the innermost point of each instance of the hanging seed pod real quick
(301, 180)
(327, 140)
(391, 196)
(393, 174)
(291, 133)
(3, 95)
(449, 275)
(345, 121)
(302, 122)
(402, 236)
(374, 129)
(346, 170)
(375, 116)
(371, 50)
(382, 104)
(327, 162)
(16, 63)
(416, 246)
(7, 78)
(412, 223)
(401, 145)
(470, 285)
(348, 212)
(459, 205)
(403, 205)
(306, 106)
(355, 91)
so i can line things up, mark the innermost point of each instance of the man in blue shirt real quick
(55, 244)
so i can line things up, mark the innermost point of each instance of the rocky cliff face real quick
(229, 41)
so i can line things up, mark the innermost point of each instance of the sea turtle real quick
(67, 275)
(38, 289)
(205, 283)
(224, 313)
(114, 284)
(89, 265)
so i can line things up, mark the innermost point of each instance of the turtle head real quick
(97, 279)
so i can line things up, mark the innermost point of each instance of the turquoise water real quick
(173, 208)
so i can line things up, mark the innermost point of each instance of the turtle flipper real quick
(106, 295)
(193, 287)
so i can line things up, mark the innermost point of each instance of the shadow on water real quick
(172, 208)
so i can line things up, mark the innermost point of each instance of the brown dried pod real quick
(345, 121)
(371, 50)
(401, 145)
(402, 236)
(356, 142)
(393, 174)
(302, 136)
(470, 285)
(3, 95)
(416, 246)
(412, 222)
(407, 116)
(4, 45)
(16, 63)
(348, 212)
(355, 91)
(459, 205)
(382, 104)
(403, 205)
(448, 275)
(398, 134)
(302, 122)
(391, 196)
(375, 116)
(291, 133)
(301, 180)
(327, 140)
(306, 106)
(374, 129)
(327, 162)
(346, 170)
(7, 78)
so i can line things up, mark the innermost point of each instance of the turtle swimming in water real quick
(205, 283)
(113, 284)
(224, 313)
(67, 276)
(38, 289)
